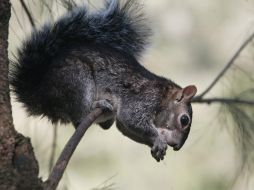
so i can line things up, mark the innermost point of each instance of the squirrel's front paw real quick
(159, 148)
(103, 104)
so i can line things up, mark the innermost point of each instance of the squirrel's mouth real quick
(174, 138)
(177, 147)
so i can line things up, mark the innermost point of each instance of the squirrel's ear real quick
(178, 95)
(189, 92)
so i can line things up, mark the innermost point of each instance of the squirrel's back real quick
(120, 25)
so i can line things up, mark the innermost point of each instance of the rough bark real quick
(18, 165)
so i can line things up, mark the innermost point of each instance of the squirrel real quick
(87, 60)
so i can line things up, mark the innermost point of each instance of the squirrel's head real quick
(173, 120)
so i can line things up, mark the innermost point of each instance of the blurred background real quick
(192, 42)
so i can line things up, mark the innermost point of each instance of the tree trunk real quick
(18, 165)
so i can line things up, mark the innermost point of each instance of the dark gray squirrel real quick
(87, 60)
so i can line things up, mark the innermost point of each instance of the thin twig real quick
(104, 185)
(15, 33)
(68, 4)
(69, 148)
(228, 65)
(29, 15)
(223, 101)
(17, 18)
(45, 4)
(246, 74)
(53, 148)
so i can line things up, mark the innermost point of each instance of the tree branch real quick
(228, 65)
(69, 148)
(53, 150)
(29, 15)
(18, 165)
(223, 101)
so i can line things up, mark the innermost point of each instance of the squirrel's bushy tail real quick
(119, 25)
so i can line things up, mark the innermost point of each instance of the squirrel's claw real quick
(158, 150)
(103, 104)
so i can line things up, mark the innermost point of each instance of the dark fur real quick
(117, 26)
(64, 68)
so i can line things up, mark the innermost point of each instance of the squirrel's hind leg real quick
(106, 124)
(107, 106)
(106, 120)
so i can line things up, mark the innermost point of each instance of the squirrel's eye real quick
(184, 120)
